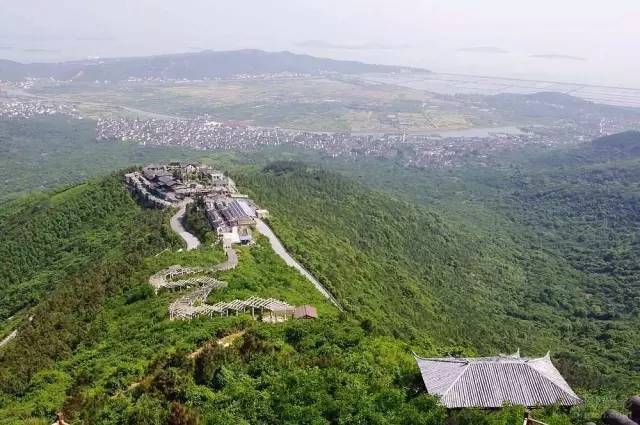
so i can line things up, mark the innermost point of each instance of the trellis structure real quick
(192, 305)
(278, 310)
(162, 278)
(191, 282)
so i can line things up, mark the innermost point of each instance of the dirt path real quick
(225, 342)
(8, 338)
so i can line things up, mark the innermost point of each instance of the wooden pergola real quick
(193, 305)
(162, 279)
(192, 282)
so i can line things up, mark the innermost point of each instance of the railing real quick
(528, 420)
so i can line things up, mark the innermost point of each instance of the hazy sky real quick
(591, 41)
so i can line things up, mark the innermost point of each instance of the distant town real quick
(416, 150)
(480, 145)
(31, 107)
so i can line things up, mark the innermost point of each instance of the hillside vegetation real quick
(101, 347)
(63, 255)
(413, 273)
(539, 253)
(48, 238)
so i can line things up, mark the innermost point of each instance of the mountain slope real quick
(63, 254)
(570, 217)
(102, 348)
(627, 143)
(205, 64)
(414, 273)
(552, 107)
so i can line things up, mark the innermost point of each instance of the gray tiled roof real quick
(491, 382)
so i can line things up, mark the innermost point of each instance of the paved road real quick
(232, 260)
(282, 252)
(176, 225)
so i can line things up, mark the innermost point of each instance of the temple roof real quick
(490, 382)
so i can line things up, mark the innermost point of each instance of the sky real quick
(587, 41)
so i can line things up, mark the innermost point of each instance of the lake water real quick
(479, 132)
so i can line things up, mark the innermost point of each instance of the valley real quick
(340, 116)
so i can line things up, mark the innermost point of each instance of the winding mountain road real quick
(232, 259)
(176, 225)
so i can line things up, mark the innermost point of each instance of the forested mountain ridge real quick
(571, 213)
(553, 105)
(63, 254)
(102, 348)
(453, 279)
(199, 65)
(86, 209)
(621, 143)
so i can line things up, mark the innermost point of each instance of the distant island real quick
(322, 44)
(482, 49)
(559, 57)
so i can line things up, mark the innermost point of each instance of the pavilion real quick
(491, 382)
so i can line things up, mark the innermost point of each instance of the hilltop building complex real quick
(230, 213)
(233, 216)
